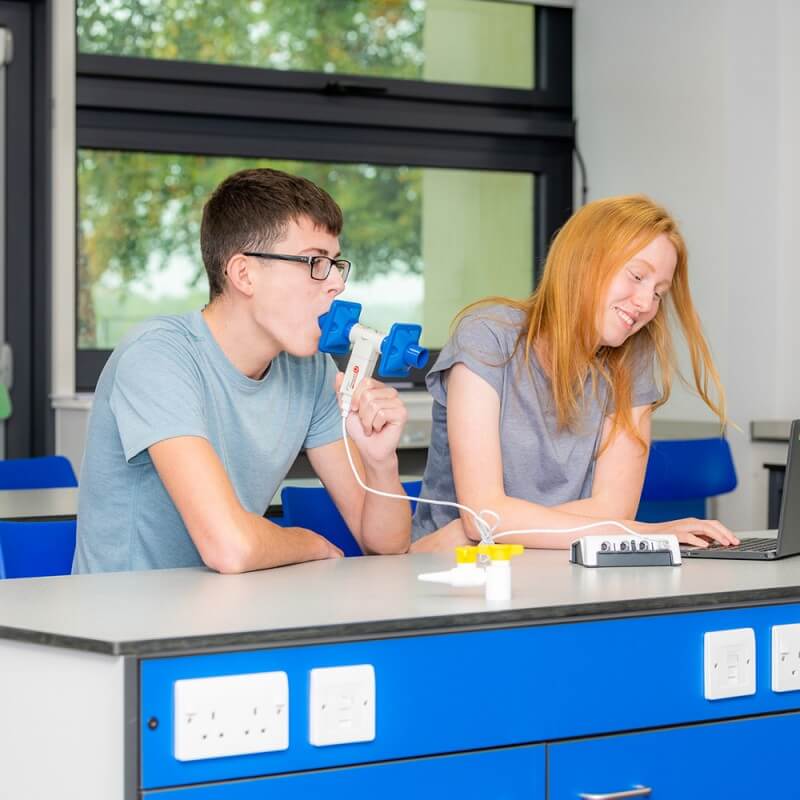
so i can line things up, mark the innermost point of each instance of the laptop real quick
(766, 548)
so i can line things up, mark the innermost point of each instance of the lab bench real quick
(589, 683)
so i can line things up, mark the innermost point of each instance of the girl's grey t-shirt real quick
(541, 463)
(170, 378)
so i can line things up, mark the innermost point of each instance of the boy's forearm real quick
(254, 542)
(385, 522)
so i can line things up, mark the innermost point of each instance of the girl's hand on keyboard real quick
(698, 532)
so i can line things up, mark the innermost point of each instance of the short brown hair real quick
(251, 209)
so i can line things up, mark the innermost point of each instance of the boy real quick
(197, 418)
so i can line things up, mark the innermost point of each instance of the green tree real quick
(376, 37)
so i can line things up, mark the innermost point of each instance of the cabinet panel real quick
(739, 760)
(514, 774)
(569, 681)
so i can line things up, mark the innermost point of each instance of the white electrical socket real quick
(231, 715)
(786, 658)
(341, 705)
(730, 663)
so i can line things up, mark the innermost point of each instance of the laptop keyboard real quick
(755, 545)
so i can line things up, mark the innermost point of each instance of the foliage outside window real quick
(479, 42)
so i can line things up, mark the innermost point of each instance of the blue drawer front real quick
(741, 760)
(470, 691)
(514, 774)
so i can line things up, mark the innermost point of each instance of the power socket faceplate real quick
(786, 658)
(730, 663)
(341, 705)
(231, 715)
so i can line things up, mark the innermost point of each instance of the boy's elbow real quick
(387, 546)
(226, 563)
(228, 554)
(225, 560)
(398, 548)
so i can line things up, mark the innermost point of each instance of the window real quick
(140, 225)
(451, 190)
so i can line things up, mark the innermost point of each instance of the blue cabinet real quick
(471, 714)
(738, 760)
(513, 774)
(558, 682)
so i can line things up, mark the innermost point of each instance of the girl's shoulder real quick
(496, 324)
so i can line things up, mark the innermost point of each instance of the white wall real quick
(696, 103)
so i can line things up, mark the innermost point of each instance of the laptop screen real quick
(789, 525)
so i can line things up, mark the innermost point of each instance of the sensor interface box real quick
(626, 551)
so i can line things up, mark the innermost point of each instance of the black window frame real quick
(149, 105)
(26, 218)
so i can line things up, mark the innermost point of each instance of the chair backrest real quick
(312, 508)
(682, 474)
(34, 549)
(45, 472)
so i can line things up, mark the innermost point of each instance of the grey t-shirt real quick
(170, 378)
(541, 463)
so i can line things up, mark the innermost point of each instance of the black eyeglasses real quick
(320, 265)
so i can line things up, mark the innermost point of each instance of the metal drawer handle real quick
(637, 791)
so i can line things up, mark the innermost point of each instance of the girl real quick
(542, 407)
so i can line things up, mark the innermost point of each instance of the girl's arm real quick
(618, 473)
(473, 429)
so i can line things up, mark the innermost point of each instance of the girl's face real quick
(636, 292)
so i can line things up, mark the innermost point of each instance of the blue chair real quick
(681, 475)
(312, 508)
(45, 472)
(34, 549)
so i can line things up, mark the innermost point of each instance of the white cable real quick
(614, 522)
(486, 531)
(483, 525)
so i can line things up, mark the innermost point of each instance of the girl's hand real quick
(696, 532)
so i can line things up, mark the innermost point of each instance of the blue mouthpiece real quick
(336, 326)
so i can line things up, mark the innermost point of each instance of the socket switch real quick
(231, 715)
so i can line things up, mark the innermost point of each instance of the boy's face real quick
(287, 300)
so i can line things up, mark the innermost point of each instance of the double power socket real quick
(730, 661)
(231, 715)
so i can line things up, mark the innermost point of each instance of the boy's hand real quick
(322, 547)
(376, 420)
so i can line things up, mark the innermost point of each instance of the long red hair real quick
(561, 315)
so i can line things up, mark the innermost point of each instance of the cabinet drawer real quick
(516, 773)
(743, 760)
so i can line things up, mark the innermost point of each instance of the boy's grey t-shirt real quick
(170, 378)
(541, 463)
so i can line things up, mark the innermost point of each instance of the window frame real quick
(162, 106)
